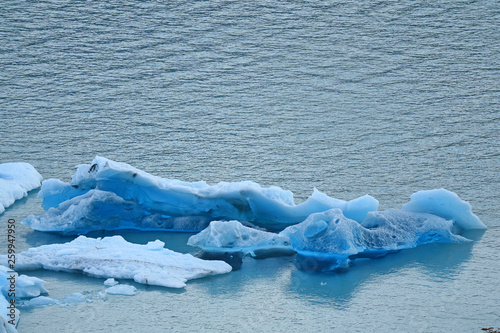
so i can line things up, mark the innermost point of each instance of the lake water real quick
(351, 97)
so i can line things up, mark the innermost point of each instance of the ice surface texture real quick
(328, 241)
(25, 286)
(113, 257)
(16, 180)
(445, 204)
(232, 236)
(111, 195)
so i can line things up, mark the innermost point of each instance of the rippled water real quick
(352, 97)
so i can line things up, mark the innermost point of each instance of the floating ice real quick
(111, 195)
(445, 204)
(13, 287)
(40, 301)
(25, 286)
(7, 314)
(328, 241)
(110, 282)
(113, 257)
(232, 236)
(122, 289)
(16, 179)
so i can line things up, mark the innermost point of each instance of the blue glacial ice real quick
(113, 257)
(232, 236)
(329, 241)
(15, 287)
(108, 195)
(16, 180)
(445, 204)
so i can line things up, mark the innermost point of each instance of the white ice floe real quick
(130, 198)
(16, 180)
(113, 257)
(232, 236)
(122, 289)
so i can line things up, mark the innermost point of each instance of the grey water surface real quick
(351, 97)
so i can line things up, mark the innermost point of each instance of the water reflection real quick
(438, 261)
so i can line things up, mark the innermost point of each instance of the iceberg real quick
(329, 241)
(232, 236)
(16, 180)
(445, 204)
(114, 257)
(107, 195)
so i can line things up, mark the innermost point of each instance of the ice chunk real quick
(40, 301)
(25, 286)
(101, 210)
(232, 236)
(13, 287)
(113, 257)
(329, 240)
(445, 204)
(16, 180)
(173, 204)
(8, 316)
(122, 289)
(110, 282)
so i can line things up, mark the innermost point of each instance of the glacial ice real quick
(445, 204)
(232, 236)
(122, 289)
(329, 241)
(25, 286)
(113, 257)
(16, 180)
(110, 282)
(108, 195)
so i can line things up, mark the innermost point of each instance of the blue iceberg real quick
(233, 240)
(138, 200)
(329, 241)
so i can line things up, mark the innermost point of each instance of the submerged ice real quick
(16, 180)
(113, 257)
(111, 195)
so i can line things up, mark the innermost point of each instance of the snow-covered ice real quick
(232, 236)
(113, 257)
(16, 180)
(107, 195)
(122, 289)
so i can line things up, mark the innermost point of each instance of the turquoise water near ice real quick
(352, 97)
